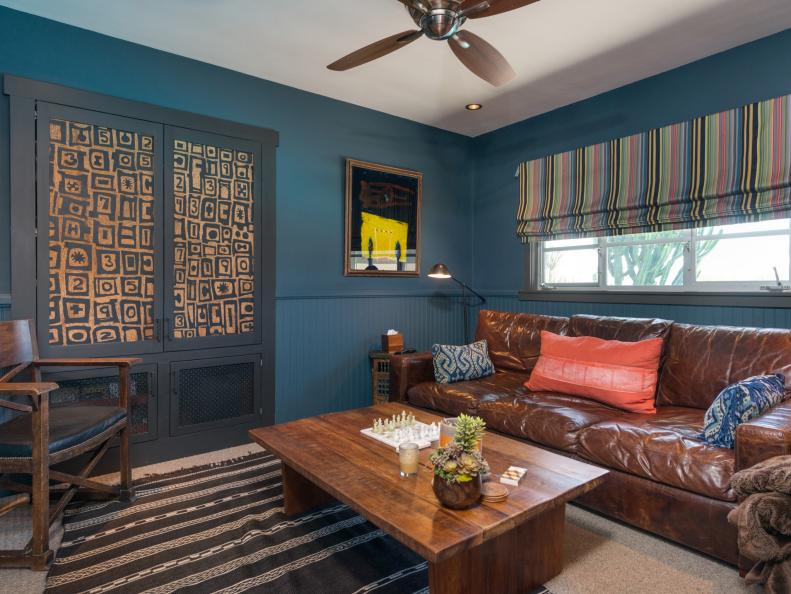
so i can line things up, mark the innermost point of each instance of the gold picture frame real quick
(382, 220)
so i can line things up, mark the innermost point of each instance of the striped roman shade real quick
(730, 167)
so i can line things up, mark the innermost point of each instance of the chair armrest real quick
(34, 391)
(407, 371)
(96, 362)
(27, 389)
(764, 437)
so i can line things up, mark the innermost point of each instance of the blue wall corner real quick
(748, 73)
(327, 323)
(315, 371)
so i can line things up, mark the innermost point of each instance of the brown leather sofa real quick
(663, 477)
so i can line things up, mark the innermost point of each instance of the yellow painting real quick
(382, 237)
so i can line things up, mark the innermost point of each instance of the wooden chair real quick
(40, 437)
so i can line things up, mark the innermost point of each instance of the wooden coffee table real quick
(512, 546)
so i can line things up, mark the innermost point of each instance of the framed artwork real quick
(382, 234)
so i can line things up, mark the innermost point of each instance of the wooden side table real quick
(380, 376)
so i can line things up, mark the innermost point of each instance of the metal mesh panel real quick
(207, 394)
(103, 391)
(381, 380)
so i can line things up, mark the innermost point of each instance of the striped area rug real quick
(222, 529)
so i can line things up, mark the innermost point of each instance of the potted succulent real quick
(459, 465)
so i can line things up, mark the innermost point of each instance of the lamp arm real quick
(471, 290)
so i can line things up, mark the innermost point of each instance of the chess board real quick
(420, 433)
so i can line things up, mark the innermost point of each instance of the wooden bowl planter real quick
(458, 465)
(457, 495)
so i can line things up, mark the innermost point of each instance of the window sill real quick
(712, 299)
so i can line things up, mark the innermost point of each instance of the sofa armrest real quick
(764, 437)
(407, 371)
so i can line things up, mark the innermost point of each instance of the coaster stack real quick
(493, 492)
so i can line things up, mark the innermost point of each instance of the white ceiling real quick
(562, 50)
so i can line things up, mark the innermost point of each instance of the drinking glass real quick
(447, 431)
(408, 455)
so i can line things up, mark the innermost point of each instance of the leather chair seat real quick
(68, 426)
(466, 397)
(664, 448)
(550, 419)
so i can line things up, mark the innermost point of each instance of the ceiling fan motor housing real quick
(442, 21)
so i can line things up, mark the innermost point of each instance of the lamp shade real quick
(439, 271)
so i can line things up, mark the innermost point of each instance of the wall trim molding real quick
(371, 294)
(712, 299)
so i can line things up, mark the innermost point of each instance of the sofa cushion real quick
(665, 448)
(550, 419)
(465, 397)
(515, 338)
(613, 372)
(700, 361)
(68, 426)
(461, 363)
(625, 329)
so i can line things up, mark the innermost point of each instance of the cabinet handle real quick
(158, 330)
(168, 329)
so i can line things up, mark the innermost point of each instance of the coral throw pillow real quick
(621, 374)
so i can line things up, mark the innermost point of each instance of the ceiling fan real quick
(442, 20)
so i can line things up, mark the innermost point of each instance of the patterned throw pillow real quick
(460, 363)
(739, 403)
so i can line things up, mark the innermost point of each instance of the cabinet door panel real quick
(99, 387)
(213, 210)
(99, 233)
(212, 393)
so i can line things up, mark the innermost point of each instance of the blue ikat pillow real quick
(739, 403)
(461, 363)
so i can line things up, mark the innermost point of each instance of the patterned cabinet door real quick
(99, 204)
(212, 189)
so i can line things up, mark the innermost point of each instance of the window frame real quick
(691, 291)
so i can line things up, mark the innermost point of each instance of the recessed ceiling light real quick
(473, 107)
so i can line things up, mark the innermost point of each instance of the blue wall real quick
(327, 323)
(321, 346)
(750, 72)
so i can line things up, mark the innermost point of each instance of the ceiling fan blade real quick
(375, 50)
(481, 58)
(495, 7)
(416, 4)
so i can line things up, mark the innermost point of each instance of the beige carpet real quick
(602, 556)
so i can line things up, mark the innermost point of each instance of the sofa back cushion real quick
(623, 329)
(618, 373)
(514, 339)
(700, 361)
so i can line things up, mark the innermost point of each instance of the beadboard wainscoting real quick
(758, 317)
(322, 345)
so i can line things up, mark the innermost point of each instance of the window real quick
(730, 258)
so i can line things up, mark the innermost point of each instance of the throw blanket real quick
(763, 519)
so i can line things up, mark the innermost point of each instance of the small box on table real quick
(392, 343)
(513, 475)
